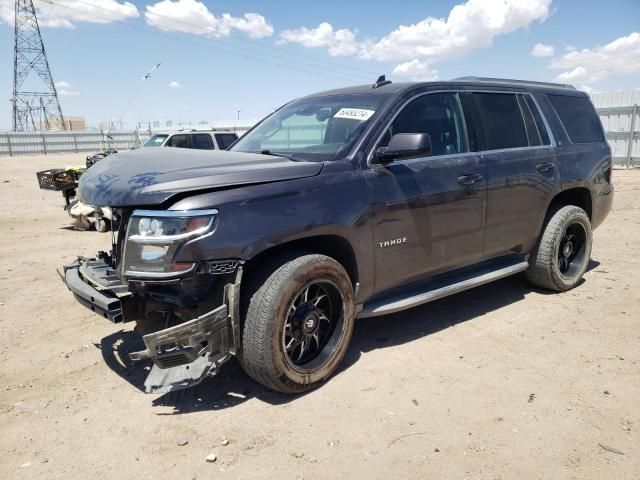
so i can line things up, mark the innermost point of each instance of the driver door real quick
(429, 211)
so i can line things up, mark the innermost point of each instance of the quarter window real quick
(225, 140)
(437, 114)
(500, 123)
(578, 117)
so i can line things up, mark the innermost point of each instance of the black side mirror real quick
(404, 145)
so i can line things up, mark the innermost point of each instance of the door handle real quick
(545, 167)
(467, 180)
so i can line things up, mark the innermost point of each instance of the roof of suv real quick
(396, 88)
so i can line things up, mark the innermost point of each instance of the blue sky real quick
(291, 48)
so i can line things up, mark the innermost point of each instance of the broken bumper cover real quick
(186, 342)
(183, 355)
(187, 353)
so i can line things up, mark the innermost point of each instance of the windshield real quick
(156, 141)
(320, 128)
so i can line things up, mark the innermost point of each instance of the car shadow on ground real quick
(231, 387)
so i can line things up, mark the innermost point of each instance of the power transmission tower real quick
(35, 106)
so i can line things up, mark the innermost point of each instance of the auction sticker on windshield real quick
(354, 114)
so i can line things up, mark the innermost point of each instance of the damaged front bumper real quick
(90, 280)
(184, 354)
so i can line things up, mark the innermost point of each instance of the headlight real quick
(154, 236)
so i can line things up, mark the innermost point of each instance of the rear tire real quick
(563, 250)
(298, 324)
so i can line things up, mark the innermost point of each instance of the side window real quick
(439, 115)
(202, 141)
(499, 122)
(177, 141)
(533, 135)
(533, 108)
(579, 118)
(225, 140)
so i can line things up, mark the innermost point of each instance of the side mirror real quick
(404, 145)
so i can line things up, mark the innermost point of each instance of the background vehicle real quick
(351, 203)
(195, 139)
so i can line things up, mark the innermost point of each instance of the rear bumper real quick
(602, 206)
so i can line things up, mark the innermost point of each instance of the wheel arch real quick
(577, 196)
(331, 245)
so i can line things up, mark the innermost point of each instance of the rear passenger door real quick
(520, 166)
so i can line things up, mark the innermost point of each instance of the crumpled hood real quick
(150, 176)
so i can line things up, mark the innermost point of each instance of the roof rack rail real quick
(517, 82)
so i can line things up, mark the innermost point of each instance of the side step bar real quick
(414, 298)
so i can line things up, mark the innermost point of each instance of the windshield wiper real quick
(276, 154)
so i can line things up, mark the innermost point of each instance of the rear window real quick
(500, 123)
(578, 117)
(202, 141)
(225, 140)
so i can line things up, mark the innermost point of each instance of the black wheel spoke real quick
(571, 245)
(310, 321)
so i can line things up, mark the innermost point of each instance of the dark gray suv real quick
(351, 203)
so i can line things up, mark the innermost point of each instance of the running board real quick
(403, 301)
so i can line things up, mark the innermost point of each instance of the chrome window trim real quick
(552, 139)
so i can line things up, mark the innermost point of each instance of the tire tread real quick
(541, 272)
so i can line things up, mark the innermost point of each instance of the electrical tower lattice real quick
(35, 106)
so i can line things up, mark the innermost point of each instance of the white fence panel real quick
(620, 115)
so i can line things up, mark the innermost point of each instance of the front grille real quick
(221, 267)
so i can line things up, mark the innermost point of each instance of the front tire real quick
(298, 324)
(563, 250)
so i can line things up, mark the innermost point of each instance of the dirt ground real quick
(501, 382)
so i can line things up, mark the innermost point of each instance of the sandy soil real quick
(504, 381)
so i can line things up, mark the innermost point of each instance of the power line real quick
(244, 40)
(305, 69)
